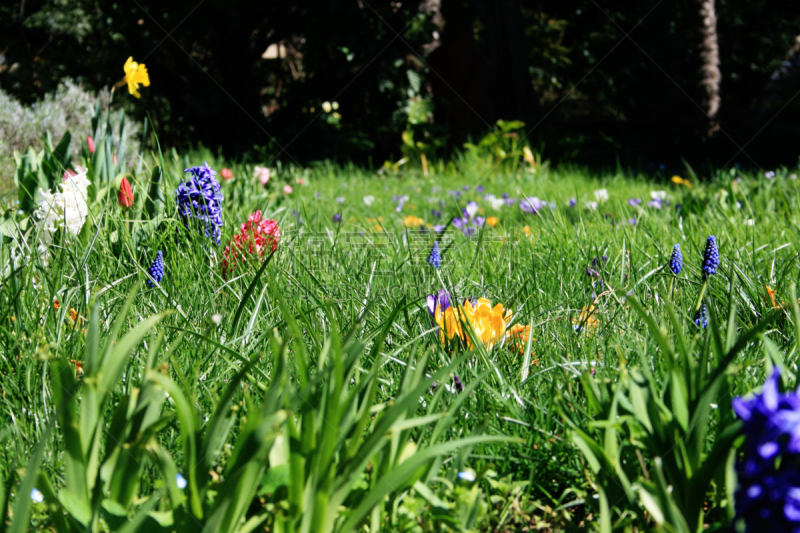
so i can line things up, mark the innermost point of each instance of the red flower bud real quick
(90, 143)
(125, 196)
(227, 174)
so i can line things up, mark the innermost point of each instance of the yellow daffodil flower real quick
(135, 74)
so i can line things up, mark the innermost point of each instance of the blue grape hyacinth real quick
(768, 471)
(200, 199)
(710, 258)
(435, 257)
(156, 269)
(701, 317)
(676, 261)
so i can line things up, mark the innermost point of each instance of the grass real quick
(312, 394)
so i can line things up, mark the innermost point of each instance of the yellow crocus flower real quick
(680, 181)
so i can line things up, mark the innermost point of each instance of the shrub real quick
(70, 107)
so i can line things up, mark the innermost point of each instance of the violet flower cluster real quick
(676, 260)
(469, 223)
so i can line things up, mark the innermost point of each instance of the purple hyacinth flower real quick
(199, 199)
(768, 496)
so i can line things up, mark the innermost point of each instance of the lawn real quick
(310, 389)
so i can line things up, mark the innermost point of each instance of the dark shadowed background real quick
(595, 81)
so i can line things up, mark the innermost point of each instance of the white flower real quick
(601, 195)
(472, 209)
(37, 496)
(368, 200)
(467, 475)
(658, 195)
(65, 209)
(496, 203)
(591, 206)
(180, 481)
(326, 106)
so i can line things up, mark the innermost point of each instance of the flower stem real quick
(700, 298)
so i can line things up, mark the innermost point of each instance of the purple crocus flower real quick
(634, 201)
(455, 194)
(632, 221)
(436, 213)
(438, 228)
(466, 187)
(479, 188)
(400, 201)
(573, 202)
(510, 201)
(337, 217)
(478, 221)
(532, 205)
(655, 203)
(441, 300)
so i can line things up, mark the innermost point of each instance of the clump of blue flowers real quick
(768, 496)
(200, 199)
(701, 317)
(435, 257)
(676, 261)
(157, 269)
(710, 258)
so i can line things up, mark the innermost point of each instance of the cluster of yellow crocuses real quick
(489, 323)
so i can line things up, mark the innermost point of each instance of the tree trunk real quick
(709, 54)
